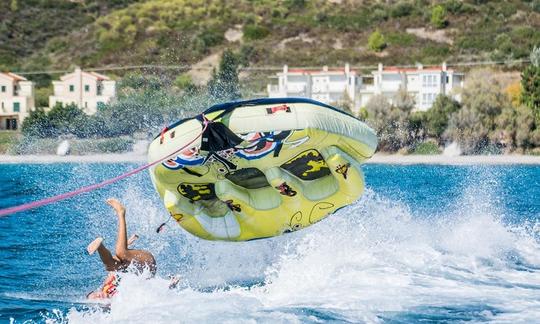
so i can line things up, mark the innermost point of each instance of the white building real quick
(328, 85)
(423, 84)
(16, 100)
(88, 90)
(338, 85)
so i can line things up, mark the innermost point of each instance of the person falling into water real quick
(123, 257)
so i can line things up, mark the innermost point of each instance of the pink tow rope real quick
(50, 200)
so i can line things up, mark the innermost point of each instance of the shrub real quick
(255, 32)
(389, 122)
(294, 4)
(7, 140)
(436, 118)
(208, 38)
(113, 145)
(363, 113)
(401, 39)
(37, 124)
(427, 148)
(504, 48)
(535, 5)
(401, 9)
(453, 6)
(42, 96)
(224, 85)
(183, 81)
(513, 91)
(376, 41)
(474, 126)
(438, 17)
(530, 84)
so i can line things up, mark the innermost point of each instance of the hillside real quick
(264, 32)
(27, 26)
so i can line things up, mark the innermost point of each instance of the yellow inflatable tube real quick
(261, 168)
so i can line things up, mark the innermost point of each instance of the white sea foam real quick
(369, 262)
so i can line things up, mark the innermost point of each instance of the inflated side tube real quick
(261, 167)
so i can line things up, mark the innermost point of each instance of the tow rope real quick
(50, 200)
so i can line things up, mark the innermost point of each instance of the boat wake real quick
(374, 261)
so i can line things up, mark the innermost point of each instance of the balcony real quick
(296, 88)
(273, 91)
(337, 87)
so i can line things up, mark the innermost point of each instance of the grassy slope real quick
(184, 32)
(7, 139)
(27, 25)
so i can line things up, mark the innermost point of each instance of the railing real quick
(296, 88)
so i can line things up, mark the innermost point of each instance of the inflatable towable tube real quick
(261, 168)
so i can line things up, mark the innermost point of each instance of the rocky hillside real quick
(37, 35)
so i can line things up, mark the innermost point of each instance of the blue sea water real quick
(424, 244)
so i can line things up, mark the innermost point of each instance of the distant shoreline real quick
(93, 158)
(379, 158)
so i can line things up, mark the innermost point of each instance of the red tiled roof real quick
(399, 69)
(97, 75)
(308, 71)
(14, 76)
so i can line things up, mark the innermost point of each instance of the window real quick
(428, 98)
(447, 79)
(16, 107)
(85, 104)
(3, 88)
(71, 88)
(86, 88)
(2, 105)
(11, 123)
(429, 80)
(99, 88)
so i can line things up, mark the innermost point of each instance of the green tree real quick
(224, 85)
(465, 127)
(530, 83)
(37, 124)
(183, 81)
(42, 96)
(436, 118)
(438, 17)
(295, 4)
(68, 119)
(255, 32)
(389, 122)
(474, 126)
(376, 41)
(14, 6)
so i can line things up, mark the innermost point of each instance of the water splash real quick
(373, 261)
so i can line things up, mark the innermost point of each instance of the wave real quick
(374, 261)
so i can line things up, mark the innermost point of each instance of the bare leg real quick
(140, 257)
(132, 239)
(111, 263)
(121, 239)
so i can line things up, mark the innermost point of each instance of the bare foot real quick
(132, 239)
(175, 280)
(94, 245)
(118, 207)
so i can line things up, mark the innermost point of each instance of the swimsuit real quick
(109, 288)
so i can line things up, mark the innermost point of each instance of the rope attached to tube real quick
(50, 200)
